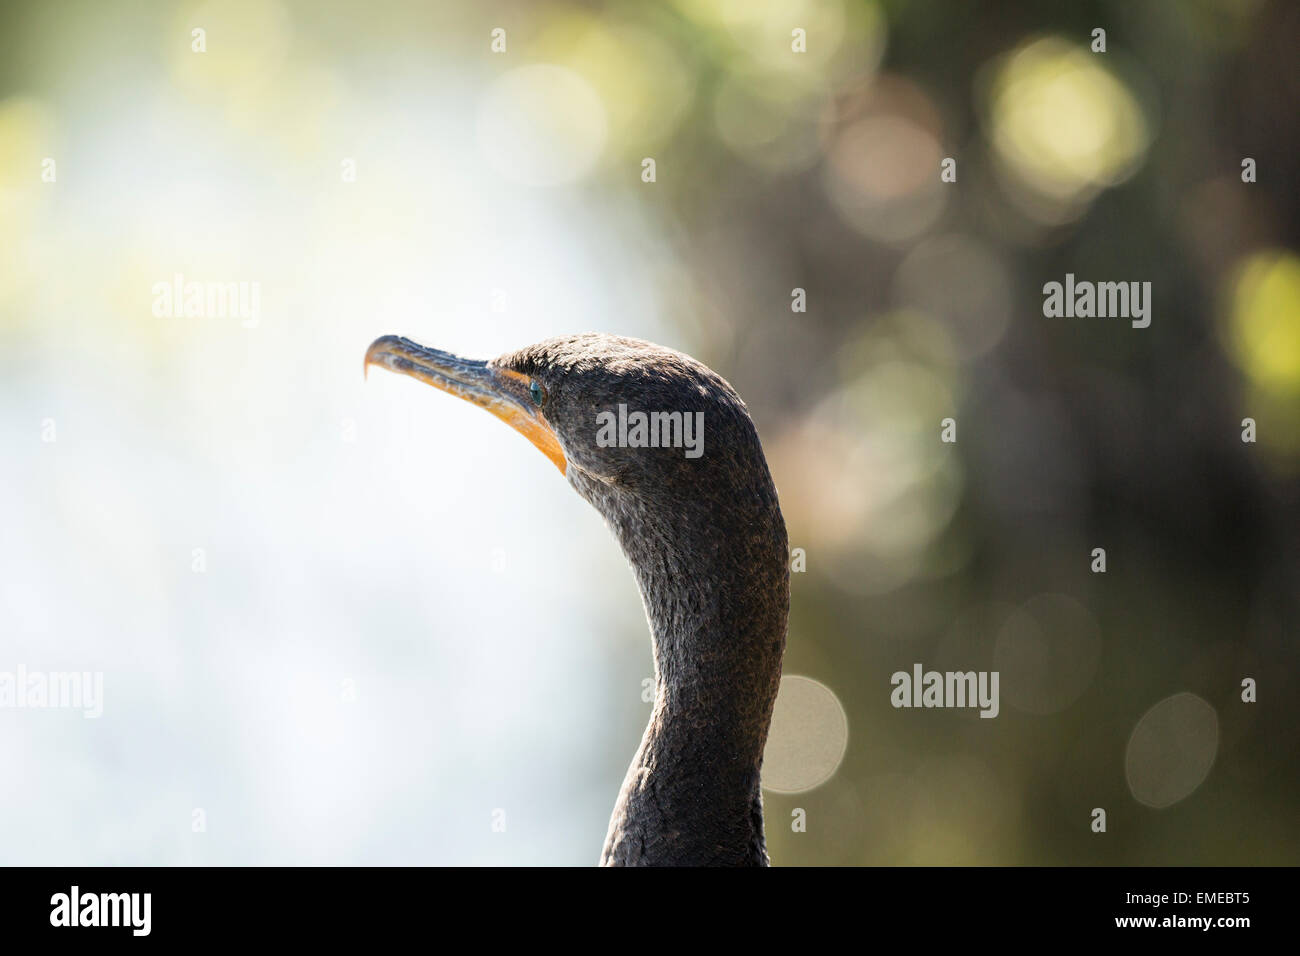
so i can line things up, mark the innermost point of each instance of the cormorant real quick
(705, 537)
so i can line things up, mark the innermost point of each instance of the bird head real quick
(617, 416)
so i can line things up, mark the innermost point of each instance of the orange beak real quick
(502, 392)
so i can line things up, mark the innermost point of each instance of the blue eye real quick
(536, 392)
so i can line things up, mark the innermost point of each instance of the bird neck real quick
(715, 583)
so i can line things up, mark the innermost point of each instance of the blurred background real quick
(342, 621)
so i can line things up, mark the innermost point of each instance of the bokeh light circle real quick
(1171, 750)
(882, 178)
(808, 738)
(1047, 654)
(961, 281)
(1063, 122)
(1263, 331)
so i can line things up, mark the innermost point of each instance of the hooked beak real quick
(501, 391)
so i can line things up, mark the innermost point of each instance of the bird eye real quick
(537, 393)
